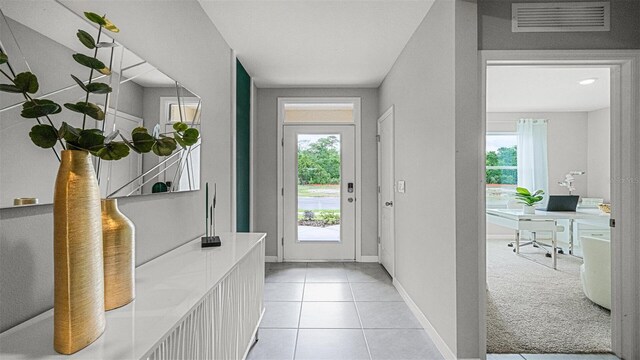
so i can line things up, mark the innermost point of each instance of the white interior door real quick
(319, 192)
(386, 197)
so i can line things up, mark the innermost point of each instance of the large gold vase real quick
(118, 236)
(78, 268)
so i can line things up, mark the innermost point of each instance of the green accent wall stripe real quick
(243, 148)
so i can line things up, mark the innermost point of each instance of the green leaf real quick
(110, 26)
(89, 62)
(523, 191)
(130, 144)
(44, 136)
(180, 126)
(179, 140)
(113, 151)
(10, 88)
(99, 88)
(90, 109)
(80, 83)
(164, 146)
(86, 39)
(91, 140)
(191, 136)
(102, 21)
(95, 18)
(142, 140)
(3, 58)
(27, 82)
(69, 133)
(39, 108)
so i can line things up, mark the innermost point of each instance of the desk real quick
(544, 221)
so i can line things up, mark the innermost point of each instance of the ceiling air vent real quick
(560, 16)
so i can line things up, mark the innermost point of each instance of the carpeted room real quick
(532, 308)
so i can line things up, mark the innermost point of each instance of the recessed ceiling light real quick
(587, 81)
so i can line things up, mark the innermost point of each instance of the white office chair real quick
(595, 273)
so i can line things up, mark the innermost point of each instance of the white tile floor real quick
(347, 311)
(337, 311)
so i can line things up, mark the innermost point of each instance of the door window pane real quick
(318, 188)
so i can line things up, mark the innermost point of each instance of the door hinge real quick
(282, 142)
(282, 241)
(612, 223)
(378, 138)
(378, 189)
(378, 239)
(282, 191)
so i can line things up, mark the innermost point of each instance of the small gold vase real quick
(78, 310)
(118, 236)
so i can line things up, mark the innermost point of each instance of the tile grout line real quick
(355, 304)
(304, 285)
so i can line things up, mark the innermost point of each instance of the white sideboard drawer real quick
(597, 233)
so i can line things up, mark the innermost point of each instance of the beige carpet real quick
(532, 308)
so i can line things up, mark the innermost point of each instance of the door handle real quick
(388, 203)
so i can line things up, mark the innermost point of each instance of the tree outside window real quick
(502, 168)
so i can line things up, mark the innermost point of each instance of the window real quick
(502, 168)
(188, 112)
(319, 112)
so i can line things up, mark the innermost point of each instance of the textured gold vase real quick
(78, 311)
(118, 237)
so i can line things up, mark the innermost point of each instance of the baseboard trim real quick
(369, 258)
(364, 259)
(431, 331)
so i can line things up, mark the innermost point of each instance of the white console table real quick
(191, 303)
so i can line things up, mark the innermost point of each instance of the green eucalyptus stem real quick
(7, 75)
(86, 99)
(29, 98)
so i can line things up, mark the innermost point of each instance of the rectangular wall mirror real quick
(142, 96)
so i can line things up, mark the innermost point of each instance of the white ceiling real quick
(317, 42)
(546, 89)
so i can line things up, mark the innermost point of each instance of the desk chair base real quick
(536, 244)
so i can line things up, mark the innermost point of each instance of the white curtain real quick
(533, 169)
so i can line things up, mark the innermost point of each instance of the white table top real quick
(166, 289)
(518, 214)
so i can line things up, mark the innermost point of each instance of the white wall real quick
(599, 154)
(192, 51)
(433, 88)
(266, 161)
(576, 141)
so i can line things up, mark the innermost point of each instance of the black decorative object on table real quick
(210, 239)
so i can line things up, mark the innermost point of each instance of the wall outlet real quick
(401, 186)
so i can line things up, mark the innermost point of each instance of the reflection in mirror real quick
(142, 96)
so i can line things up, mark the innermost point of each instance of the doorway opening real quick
(562, 278)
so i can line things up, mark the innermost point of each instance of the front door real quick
(319, 192)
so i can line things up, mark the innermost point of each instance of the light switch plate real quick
(401, 186)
